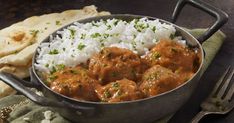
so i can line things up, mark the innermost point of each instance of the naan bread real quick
(14, 39)
(19, 59)
(5, 90)
(25, 36)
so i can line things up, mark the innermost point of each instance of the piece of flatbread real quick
(20, 59)
(5, 90)
(16, 56)
(14, 39)
(21, 72)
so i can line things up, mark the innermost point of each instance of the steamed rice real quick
(78, 42)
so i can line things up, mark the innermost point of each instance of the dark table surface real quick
(12, 11)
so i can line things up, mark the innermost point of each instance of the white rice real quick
(79, 41)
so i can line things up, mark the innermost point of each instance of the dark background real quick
(12, 11)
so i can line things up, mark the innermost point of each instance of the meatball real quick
(114, 63)
(75, 83)
(172, 55)
(121, 90)
(157, 80)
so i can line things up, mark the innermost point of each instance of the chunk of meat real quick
(75, 83)
(157, 80)
(114, 63)
(121, 90)
(172, 55)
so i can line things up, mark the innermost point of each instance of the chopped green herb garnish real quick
(147, 25)
(64, 49)
(109, 27)
(134, 45)
(136, 21)
(172, 36)
(116, 34)
(53, 70)
(154, 29)
(152, 76)
(116, 85)
(106, 35)
(107, 94)
(52, 77)
(47, 22)
(95, 35)
(140, 27)
(34, 32)
(102, 44)
(47, 65)
(116, 22)
(81, 46)
(53, 52)
(134, 36)
(58, 23)
(104, 21)
(156, 55)
(72, 31)
(83, 36)
(60, 66)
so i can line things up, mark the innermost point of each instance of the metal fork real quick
(220, 100)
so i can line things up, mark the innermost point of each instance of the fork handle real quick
(199, 116)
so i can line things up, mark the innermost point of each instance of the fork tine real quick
(220, 81)
(225, 85)
(231, 90)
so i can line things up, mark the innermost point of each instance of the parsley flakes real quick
(72, 31)
(95, 35)
(81, 46)
(156, 55)
(54, 52)
(34, 32)
(58, 23)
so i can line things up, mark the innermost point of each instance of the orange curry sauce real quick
(117, 74)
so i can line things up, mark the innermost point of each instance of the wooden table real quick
(12, 11)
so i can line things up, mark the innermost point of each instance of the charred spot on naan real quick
(18, 36)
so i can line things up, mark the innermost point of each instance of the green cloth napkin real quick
(26, 111)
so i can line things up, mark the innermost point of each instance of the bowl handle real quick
(21, 86)
(220, 16)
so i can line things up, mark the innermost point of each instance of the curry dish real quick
(118, 74)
